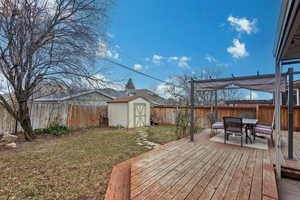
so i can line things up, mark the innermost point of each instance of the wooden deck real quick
(203, 170)
(199, 170)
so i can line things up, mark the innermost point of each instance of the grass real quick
(73, 166)
(162, 134)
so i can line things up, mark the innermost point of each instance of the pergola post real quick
(192, 107)
(216, 103)
(277, 121)
(290, 114)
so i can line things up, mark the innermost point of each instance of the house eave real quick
(287, 44)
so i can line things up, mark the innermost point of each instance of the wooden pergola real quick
(264, 83)
(286, 52)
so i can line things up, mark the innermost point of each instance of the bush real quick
(54, 129)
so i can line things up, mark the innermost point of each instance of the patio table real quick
(249, 124)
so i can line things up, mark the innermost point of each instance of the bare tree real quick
(46, 43)
(179, 89)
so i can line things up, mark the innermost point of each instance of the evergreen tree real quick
(129, 85)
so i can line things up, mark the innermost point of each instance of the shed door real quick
(139, 114)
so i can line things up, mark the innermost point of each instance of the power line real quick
(138, 72)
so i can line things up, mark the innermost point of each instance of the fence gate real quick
(139, 114)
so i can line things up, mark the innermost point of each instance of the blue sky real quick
(165, 38)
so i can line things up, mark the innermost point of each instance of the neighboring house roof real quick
(152, 97)
(125, 99)
(113, 93)
(69, 94)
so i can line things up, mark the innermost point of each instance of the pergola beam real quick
(240, 78)
(236, 78)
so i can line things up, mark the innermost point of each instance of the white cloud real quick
(243, 24)
(137, 66)
(157, 59)
(210, 59)
(183, 62)
(238, 50)
(105, 52)
(213, 60)
(173, 58)
(180, 61)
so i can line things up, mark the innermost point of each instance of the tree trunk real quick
(25, 122)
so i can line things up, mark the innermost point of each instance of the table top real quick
(250, 121)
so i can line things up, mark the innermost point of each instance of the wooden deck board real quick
(166, 191)
(204, 170)
(246, 183)
(214, 183)
(169, 177)
(210, 171)
(140, 183)
(233, 189)
(269, 181)
(163, 167)
(219, 193)
(188, 177)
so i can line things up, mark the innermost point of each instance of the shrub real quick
(54, 129)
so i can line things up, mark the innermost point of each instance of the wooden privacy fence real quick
(44, 114)
(86, 116)
(166, 115)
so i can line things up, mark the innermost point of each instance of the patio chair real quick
(266, 129)
(233, 126)
(214, 124)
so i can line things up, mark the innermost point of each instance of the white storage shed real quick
(129, 112)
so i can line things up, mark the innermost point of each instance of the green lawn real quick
(75, 166)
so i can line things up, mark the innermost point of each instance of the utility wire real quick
(138, 72)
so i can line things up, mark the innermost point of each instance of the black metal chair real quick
(214, 124)
(233, 126)
(248, 115)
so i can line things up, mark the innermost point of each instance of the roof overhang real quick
(287, 45)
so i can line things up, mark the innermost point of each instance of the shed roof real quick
(125, 99)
